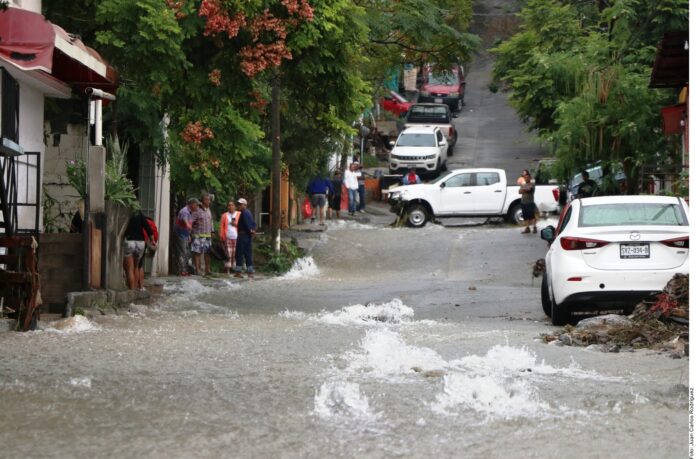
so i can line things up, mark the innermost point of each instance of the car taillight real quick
(556, 194)
(579, 243)
(679, 242)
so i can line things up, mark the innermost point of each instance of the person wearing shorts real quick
(317, 191)
(134, 247)
(527, 200)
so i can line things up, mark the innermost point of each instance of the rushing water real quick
(220, 370)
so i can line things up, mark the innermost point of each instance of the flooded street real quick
(385, 343)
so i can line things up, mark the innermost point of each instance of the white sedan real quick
(608, 253)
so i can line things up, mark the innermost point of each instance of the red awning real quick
(30, 42)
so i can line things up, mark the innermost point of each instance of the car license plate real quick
(639, 250)
(438, 100)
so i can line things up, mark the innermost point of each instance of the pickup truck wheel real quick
(417, 215)
(460, 105)
(545, 298)
(515, 214)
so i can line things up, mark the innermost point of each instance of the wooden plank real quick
(12, 277)
(95, 258)
(15, 241)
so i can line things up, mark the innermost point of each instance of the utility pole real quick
(276, 163)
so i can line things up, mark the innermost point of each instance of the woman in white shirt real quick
(228, 233)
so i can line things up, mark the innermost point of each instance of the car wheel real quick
(560, 314)
(417, 215)
(515, 214)
(443, 167)
(460, 105)
(545, 298)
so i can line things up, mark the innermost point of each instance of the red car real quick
(396, 103)
(444, 87)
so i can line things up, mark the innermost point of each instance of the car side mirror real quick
(548, 234)
(442, 185)
(392, 143)
(443, 144)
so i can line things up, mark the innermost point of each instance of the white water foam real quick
(81, 382)
(392, 312)
(292, 315)
(384, 354)
(302, 268)
(75, 324)
(343, 400)
(333, 225)
(493, 395)
(187, 286)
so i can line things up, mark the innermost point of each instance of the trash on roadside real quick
(659, 322)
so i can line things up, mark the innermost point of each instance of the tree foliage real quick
(579, 74)
(195, 75)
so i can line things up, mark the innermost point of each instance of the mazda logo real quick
(634, 236)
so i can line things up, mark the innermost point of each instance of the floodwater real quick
(332, 360)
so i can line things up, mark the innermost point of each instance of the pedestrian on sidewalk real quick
(317, 189)
(228, 234)
(201, 231)
(137, 230)
(361, 188)
(182, 232)
(246, 231)
(528, 205)
(335, 197)
(350, 180)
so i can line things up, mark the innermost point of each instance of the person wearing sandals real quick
(228, 234)
(528, 206)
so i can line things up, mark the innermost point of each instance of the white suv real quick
(421, 147)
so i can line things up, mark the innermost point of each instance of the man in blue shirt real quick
(317, 190)
(246, 231)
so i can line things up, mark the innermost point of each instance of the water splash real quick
(392, 312)
(75, 324)
(81, 382)
(302, 268)
(333, 225)
(343, 400)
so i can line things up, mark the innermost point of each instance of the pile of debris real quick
(660, 322)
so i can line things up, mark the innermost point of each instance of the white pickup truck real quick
(467, 193)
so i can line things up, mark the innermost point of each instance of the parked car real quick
(443, 87)
(466, 193)
(395, 103)
(434, 115)
(608, 253)
(423, 148)
(605, 185)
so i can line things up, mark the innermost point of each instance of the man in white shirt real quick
(350, 180)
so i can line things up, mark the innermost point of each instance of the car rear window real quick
(633, 214)
(423, 114)
(416, 140)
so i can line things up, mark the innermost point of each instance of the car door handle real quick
(498, 191)
(467, 192)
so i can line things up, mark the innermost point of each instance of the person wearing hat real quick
(182, 232)
(246, 230)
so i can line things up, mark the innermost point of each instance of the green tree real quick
(579, 75)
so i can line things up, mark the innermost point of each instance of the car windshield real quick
(632, 214)
(416, 140)
(428, 114)
(445, 78)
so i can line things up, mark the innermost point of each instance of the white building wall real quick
(31, 116)
(31, 5)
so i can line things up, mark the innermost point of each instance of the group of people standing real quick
(326, 193)
(194, 237)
